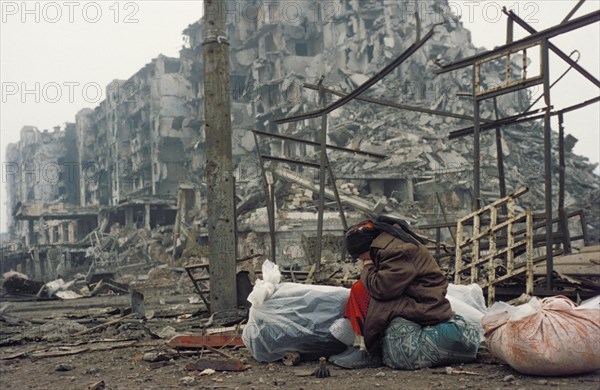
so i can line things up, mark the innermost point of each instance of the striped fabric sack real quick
(409, 346)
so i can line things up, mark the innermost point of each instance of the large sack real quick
(551, 336)
(292, 317)
(408, 346)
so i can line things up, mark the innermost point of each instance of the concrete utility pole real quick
(219, 172)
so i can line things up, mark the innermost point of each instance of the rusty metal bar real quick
(554, 83)
(516, 86)
(544, 34)
(337, 198)
(495, 124)
(510, 236)
(500, 156)
(529, 253)
(291, 161)
(199, 290)
(518, 271)
(516, 119)
(445, 217)
(438, 239)
(322, 170)
(508, 84)
(514, 194)
(475, 249)
(547, 163)
(309, 142)
(507, 74)
(368, 84)
(458, 257)
(538, 239)
(269, 205)
(493, 229)
(492, 251)
(504, 250)
(554, 220)
(584, 230)
(576, 106)
(554, 48)
(524, 64)
(340, 208)
(570, 14)
(476, 142)
(272, 225)
(577, 213)
(562, 215)
(387, 103)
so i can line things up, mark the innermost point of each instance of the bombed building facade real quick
(137, 160)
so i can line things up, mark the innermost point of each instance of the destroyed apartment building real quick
(124, 184)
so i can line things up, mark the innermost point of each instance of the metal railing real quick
(516, 240)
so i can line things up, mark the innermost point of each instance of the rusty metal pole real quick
(270, 201)
(476, 148)
(322, 172)
(337, 195)
(500, 157)
(562, 214)
(547, 164)
(499, 153)
(219, 165)
(570, 14)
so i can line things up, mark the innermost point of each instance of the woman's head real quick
(360, 236)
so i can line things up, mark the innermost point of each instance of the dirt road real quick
(115, 355)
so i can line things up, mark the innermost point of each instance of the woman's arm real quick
(391, 273)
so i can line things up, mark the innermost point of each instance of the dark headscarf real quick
(360, 236)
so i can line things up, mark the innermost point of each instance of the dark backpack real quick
(398, 228)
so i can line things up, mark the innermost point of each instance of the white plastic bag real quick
(471, 294)
(264, 288)
(545, 337)
(468, 302)
(592, 303)
(292, 317)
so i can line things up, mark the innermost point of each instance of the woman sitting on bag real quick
(399, 278)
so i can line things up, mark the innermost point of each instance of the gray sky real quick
(71, 50)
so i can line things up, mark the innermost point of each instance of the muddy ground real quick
(114, 354)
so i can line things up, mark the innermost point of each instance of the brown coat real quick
(404, 281)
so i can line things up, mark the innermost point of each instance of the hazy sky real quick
(57, 57)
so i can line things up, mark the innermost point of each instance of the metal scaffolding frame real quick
(535, 39)
(539, 39)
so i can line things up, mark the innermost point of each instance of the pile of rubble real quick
(422, 166)
(420, 175)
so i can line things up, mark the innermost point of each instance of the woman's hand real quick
(367, 262)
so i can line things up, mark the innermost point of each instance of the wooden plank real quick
(104, 325)
(574, 264)
(200, 341)
(591, 248)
